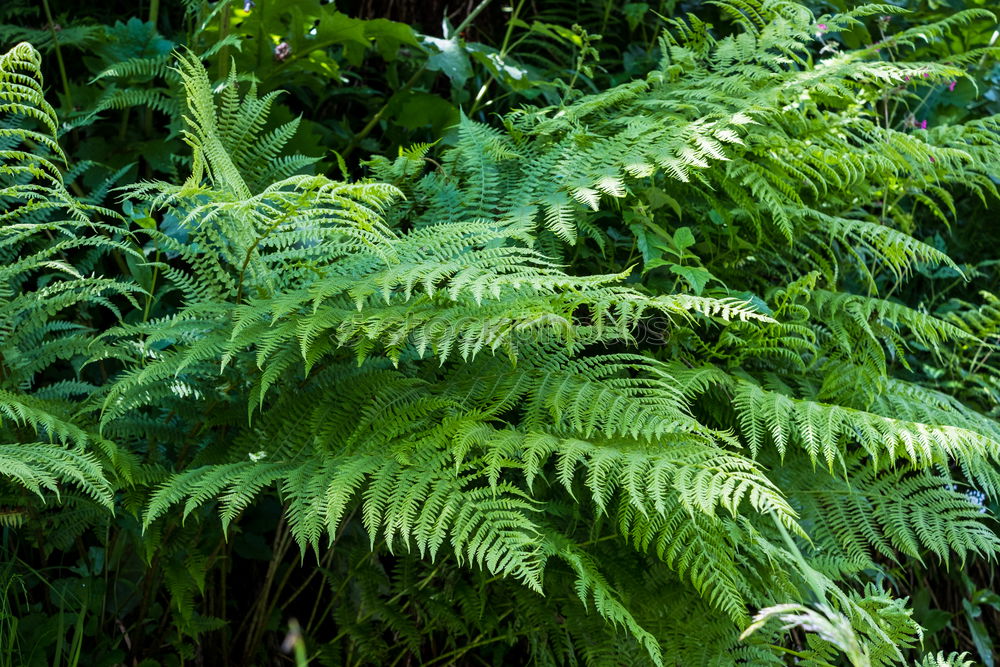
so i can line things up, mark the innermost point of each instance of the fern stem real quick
(123, 125)
(324, 562)
(150, 576)
(258, 618)
(807, 571)
(798, 654)
(340, 589)
(223, 604)
(59, 57)
(471, 17)
(504, 49)
(581, 59)
(152, 287)
(394, 598)
(223, 33)
(250, 250)
(320, 565)
(457, 653)
(607, 14)
(367, 129)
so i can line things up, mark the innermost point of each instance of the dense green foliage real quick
(682, 357)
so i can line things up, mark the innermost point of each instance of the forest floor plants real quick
(448, 387)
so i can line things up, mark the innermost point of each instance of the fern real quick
(43, 228)
(422, 367)
(308, 275)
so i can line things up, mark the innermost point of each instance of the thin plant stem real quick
(505, 47)
(223, 33)
(367, 129)
(152, 287)
(59, 56)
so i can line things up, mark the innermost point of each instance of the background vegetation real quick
(563, 332)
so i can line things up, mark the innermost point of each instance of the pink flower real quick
(923, 125)
(951, 86)
(821, 27)
(932, 159)
(926, 75)
(906, 78)
(282, 51)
